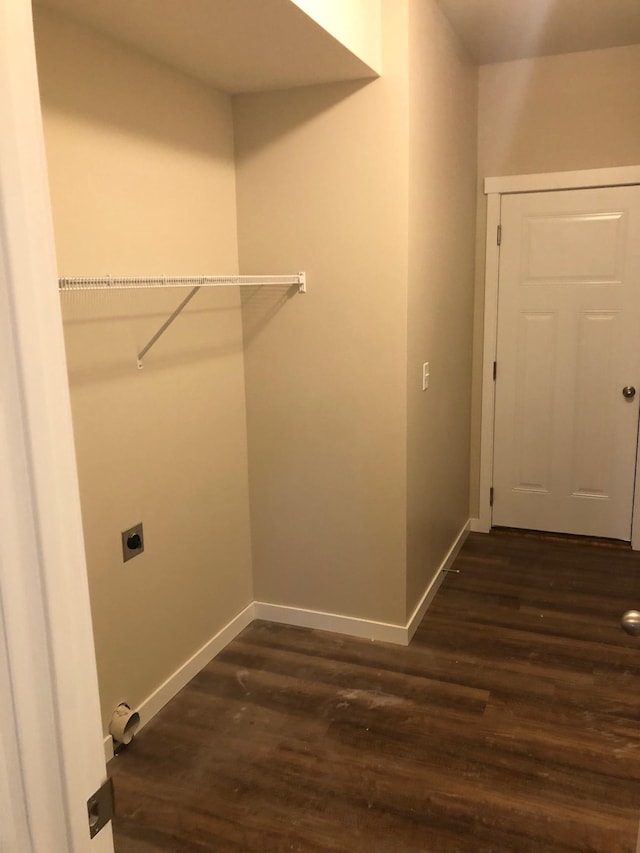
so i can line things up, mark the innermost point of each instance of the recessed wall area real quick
(277, 447)
(142, 178)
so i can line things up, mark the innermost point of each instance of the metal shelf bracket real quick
(163, 328)
(195, 282)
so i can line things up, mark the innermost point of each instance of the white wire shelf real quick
(195, 282)
(132, 282)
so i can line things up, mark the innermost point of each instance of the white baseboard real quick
(477, 526)
(354, 627)
(183, 675)
(434, 586)
(108, 749)
(364, 628)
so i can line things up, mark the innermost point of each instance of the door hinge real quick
(499, 235)
(495, 370)
(491, 496)
(100, 808)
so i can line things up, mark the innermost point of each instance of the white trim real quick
(584, 179)
(43, 581)
(492, 264)
(494, 188)
(476, 526)
(156, 701)
(430, 592)
(364, 628)
(108, 749)
(14, 822)
(182, 676)
(635, 516)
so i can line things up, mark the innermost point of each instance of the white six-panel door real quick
(568, 343)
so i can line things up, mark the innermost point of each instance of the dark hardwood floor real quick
(511, 723)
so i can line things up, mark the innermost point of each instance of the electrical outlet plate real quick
(132, 542)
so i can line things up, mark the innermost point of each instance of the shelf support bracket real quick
(163, 328)
(128, 282)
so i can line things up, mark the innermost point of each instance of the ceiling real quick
(234, 45)
(257, 45)
(499, 30)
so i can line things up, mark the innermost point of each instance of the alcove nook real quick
(277, 447)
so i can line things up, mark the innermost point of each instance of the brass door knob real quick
(631, 622)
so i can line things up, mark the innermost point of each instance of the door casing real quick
(51, 750)
(494, 189)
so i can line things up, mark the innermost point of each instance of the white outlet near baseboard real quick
(425, 376)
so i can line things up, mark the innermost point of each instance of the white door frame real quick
(494, 189)
(51, 751)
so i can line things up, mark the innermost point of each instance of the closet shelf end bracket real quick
(165, 326)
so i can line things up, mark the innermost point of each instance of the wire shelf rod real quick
(195, 282)
(134, 282)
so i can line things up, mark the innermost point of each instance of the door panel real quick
(568, 311)
(592, 454)
(574, 248)
(533, 412)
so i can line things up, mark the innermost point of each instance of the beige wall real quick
(322, 186)
(142, 182)
(371, 189)
(443, 111)
(557, 113)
